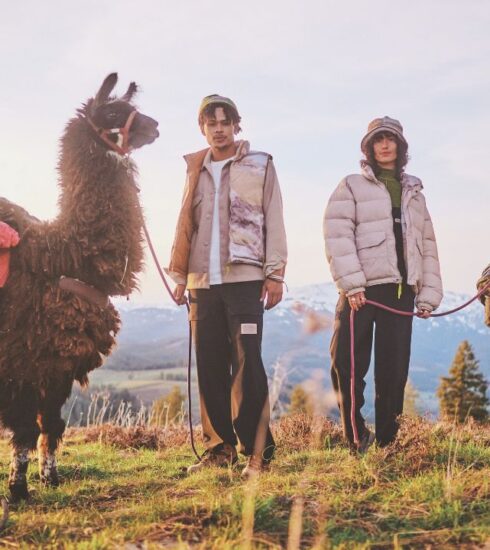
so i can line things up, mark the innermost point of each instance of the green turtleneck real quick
(393, 185)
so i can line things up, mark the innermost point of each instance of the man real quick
(230, 252)
(381, 247)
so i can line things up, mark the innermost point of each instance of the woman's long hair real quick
(402, 157)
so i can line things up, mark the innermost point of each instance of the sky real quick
(307, 78)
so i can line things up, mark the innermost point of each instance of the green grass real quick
(431, 488)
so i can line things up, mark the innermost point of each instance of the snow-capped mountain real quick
(297, 335)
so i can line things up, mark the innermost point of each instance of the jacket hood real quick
(407, 180)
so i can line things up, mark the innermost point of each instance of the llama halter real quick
(121, 146)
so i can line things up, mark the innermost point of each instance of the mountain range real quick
(296, 340)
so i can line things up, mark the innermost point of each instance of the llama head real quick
(116, 121)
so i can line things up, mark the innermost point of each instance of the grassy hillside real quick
(125, 488)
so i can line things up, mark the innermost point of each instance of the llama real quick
(56, 320)
(483, 281)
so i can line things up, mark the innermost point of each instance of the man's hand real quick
(179, 295)
(272, 290)
(423, 313)
(356, 301)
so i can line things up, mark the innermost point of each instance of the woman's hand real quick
(423, 313)
(356, 301)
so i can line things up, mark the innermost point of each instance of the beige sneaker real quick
(223, 456)
(255, 466)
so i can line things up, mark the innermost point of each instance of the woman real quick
(381, 246)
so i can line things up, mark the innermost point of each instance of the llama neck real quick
(99, 211)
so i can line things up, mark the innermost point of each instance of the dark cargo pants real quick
(234, 397)
(393, 334)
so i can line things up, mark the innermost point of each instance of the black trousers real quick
(227, 324)
(393, 334)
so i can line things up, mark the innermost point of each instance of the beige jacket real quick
(189, 262)
(360, 241)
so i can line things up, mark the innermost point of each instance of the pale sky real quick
(307, 78)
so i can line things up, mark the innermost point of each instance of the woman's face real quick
(385, 150)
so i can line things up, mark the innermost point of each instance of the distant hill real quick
(155, 337)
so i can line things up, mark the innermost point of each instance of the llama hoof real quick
(18, 492)
(51, 480)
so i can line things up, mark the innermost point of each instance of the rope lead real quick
(189, 358)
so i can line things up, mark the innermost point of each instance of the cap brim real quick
(219, 102)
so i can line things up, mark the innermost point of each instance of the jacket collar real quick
(410, 182)
(201, 159)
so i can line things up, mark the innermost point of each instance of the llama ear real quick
(132, 89)
(106, 88)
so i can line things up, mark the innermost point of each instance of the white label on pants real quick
(249, 328)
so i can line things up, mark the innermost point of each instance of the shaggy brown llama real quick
(483, 281)
(56, 320)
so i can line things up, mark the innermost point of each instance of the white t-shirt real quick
(214, 252)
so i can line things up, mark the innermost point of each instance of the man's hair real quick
(230, 113)
(402, 157)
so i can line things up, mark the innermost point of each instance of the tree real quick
(411, 397)
(463, 393)
(300, 401)
(168, 409)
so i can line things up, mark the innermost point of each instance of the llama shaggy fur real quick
(483, 281)
(51, 337)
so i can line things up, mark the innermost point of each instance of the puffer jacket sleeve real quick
(430, 294)
(340, 242)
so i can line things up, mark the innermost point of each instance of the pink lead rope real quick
(352, 352)
(189, 349)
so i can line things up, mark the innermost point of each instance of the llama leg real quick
(23, 441)
(52, 429)
(18, 474)
(48, 467)
(20, 417)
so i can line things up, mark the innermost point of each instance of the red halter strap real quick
(122, 145)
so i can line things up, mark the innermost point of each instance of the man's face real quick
(219, 130)
(385, 150)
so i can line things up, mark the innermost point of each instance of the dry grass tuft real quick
(420, 443)
(136, 437)
(292, 432)
(302, 431)
(415, 443)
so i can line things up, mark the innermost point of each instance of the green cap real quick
(217, 99)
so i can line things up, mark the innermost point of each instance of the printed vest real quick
(247, 179)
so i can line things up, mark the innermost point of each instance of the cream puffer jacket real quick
(360, 241)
